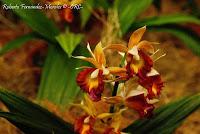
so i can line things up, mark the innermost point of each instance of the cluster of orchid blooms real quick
(138, 64)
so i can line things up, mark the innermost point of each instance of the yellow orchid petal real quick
(118, 47)
(90, 104)
(104, 115)
(99, 54)
(113, 100)
(152, 101)
(136, 65)
(83, 107)
(117, 120)
(85, 129)
(91, 60)
(146, 46)
(115, 70)
(89, 49)
(93, 84)
(136, 37)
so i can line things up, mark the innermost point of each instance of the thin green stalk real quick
(114, 93)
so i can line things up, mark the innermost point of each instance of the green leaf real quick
(128, 11)
(17, 43)
(86, 11)
(68, 41)
(167, 118)
(58, 82)
(35, 19)
(28, 125)
(189, 38)
(89, 6)
(102, 4)
(167, 19)
(27, 115)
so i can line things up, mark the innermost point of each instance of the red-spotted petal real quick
(153, 84)
(84, 125)
(140, 104)
(94, 86)
(142, 66)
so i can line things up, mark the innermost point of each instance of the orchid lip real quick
(94, 74)
(134, 52)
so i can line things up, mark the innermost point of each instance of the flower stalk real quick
(114, 93)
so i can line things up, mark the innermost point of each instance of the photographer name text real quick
(40, 6)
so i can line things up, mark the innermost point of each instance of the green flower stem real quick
(123, 61)
(114, 93)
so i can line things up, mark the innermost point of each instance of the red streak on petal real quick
(144, 65)
(153, 84)
(140, 104)
(148, 64)
(84, 128)
(93, 87)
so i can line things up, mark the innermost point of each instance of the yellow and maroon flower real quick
(137, 53)
(152, 82)
(141, 66)
(136, 99)
(139, 62)
(91, 84)
(140, 104)
(84, 125)
(91, 79)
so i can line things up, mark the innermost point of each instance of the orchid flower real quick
(136, 99)
(140, 63)
(136, 52)
(85, 124)
(91, 79)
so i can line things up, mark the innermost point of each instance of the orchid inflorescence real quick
(138, 65)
